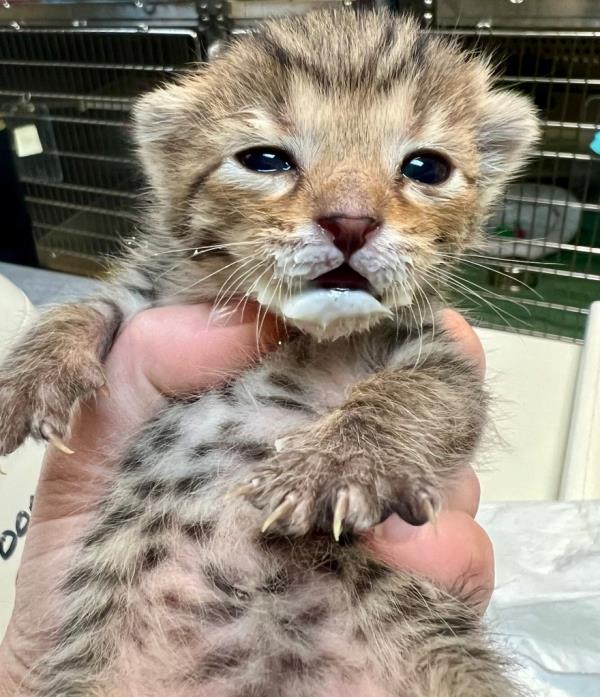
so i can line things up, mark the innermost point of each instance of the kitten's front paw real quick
(296, 499)
(300, 491)
(40, 401)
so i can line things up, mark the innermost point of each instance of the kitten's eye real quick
(266, 160)
(426, 167)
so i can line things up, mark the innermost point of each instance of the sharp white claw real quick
(243, 490)
(283, 509)
(279, 444)
(54, 439)
(339, 513)
(60, 445)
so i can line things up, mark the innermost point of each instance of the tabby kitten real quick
(323, 166)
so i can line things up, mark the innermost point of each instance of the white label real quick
(27, 140)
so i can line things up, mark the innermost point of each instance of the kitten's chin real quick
(337, 328)
(330, 313)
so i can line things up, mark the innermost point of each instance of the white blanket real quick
(546, 606)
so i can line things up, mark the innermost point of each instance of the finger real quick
(463, 493)
(183, 349)
(460, 330)
(456, 555)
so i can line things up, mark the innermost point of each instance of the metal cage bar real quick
(75, 86)
(540, 269)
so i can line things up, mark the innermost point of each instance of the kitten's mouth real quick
(335, 304)
(342, 278)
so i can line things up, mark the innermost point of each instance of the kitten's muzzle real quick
(349, 233)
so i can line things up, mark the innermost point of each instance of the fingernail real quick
(236, 314)
(395, 530)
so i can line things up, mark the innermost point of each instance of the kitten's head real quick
(326, 164)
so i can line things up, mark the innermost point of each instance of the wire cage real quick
(75, 81)
(66, 95)
(540, 270)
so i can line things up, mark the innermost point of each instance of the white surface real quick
(44, 287)
(546, 606)
(16, 487)
(27, 140)
(15, 313)
(581, 474)
(532, 381)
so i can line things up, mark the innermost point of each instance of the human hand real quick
(176, 350)
(161, 352)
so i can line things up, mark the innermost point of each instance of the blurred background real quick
(69, 72)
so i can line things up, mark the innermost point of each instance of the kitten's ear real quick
(158, 114)
(508, 131)
(161, 121)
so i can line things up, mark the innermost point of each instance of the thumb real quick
(457, 554)
(186, 348)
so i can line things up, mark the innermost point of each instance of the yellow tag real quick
(27, 141)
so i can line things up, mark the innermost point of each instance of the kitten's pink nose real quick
(349, 234)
